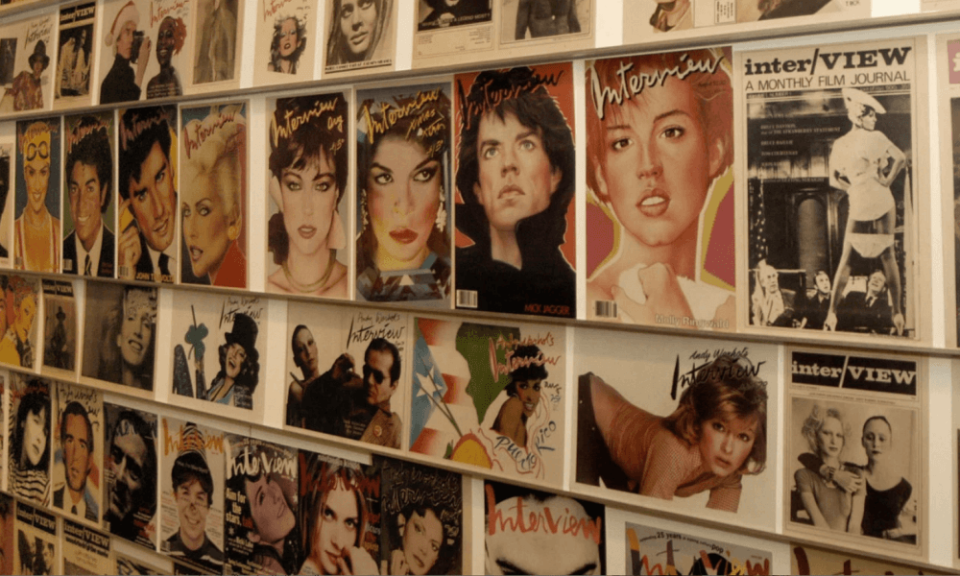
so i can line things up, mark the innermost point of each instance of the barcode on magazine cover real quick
(466, 298)
(605, 309)
(125, 272)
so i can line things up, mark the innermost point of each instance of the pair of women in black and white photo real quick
(872, 499)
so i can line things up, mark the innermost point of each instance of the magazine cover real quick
(123, 318)
(531, 532)
(76, 53)
(515, 177)
(147, 203)
(868, 492)
(192, 495)
(217, 27)
(140, 566)
(142, 54)
(36, 231)
(233, 329)
(37, 541)
(652, 550)
(831, 212)
(403, 199)
(19, 306)
(340, 516)
(652, 256)
(89, 216)
(7, 179)
(59, 327)
(307, 230)
(286, 41)
(349, 371)
(359, 35)
(262, 531)
(4, 429)
(688, 425)
(536, 20)
(130, 472)
(7, 504)
(422, 528)
(213, 205)
(948, 75)
(30, 419)
(25, 57)
(491, 396)
(85, 550)
(806, 559)
(78, 454)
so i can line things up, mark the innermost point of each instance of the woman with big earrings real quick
(403, 250)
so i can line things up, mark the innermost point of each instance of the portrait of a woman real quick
(170, 39)
(653, 163)
(426, 542)
(30, 446)
(308, 169)
(288, 43)
(270, 501)
(716, 435)
(36, 245)
(357, 30)
(864, 162)
(16, 347)
(129, 330)
(239, 371)
(334, 521)
(887, 498)
(523, 394)
(403, 251)
(211, 200)
(27, 88)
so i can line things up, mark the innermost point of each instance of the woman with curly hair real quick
(30, 445)
(289, 42)
(239, 366)
(523, 395)
(427, 540)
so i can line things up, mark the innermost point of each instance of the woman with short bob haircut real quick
(715, 436)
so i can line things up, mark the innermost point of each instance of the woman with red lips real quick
(289, 42)
(715, 436)
(887, 492)
(170, 39)
(308, 169)
(403, 252)
(356, 30)
(826, 502)
(523, 394)
(653, 162)
(426, 541)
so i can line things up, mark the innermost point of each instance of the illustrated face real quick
(306, 353)
(657, 164)
(35, 436)
(236, 356)
(86, 197)
(25, 315)
(336, 528)
(271, 514)
(830, 437)
(422, 539)
(127, 458)
(153, 199)
(125, 39)
(309, 204)
(193, 506)
(536, 552)
(288, 37)
(166, 41)
(76, 448)
(876, 439)
(876, 283)
(528, 391)
(358, 18)
(516, 178)
(726, 444)
(36, 170)
(823, 283)
(205, 224)
(136, 328)
(403, 198)
(376, 376)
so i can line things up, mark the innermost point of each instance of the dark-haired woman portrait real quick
(403, 251)
(30, 446)
(427, 538)
(524, 395)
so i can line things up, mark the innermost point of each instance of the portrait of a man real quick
(89, 248)
(131, 473)
(76, 441)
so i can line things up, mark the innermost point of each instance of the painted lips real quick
(654, 204)
(404, 235)
(510, 191)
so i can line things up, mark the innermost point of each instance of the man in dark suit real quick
(89, 249)
(813, 309)
(76, 441)
(867, 311)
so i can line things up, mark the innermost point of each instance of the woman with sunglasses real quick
(36, 247)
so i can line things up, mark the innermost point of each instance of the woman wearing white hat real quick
(121, 84)
(863, 163)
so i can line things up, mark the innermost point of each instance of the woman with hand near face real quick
(170, 39)
(211, 201)
(30, 447)
(653, 163)
(403, 252)
(356, 30)
(289, 42)
(308, 165)
(425, 541)
(239, 366)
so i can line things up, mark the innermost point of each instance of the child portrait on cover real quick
(653, 161)
(715, 436)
